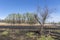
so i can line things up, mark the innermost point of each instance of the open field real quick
(22, 24)
(7, 24)
(19, 31)
(15, 34)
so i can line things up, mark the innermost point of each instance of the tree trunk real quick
(42, 29)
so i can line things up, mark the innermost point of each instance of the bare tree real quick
(36, 17)
(43, 15)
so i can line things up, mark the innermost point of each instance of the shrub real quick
(45, 38)
(5, 33)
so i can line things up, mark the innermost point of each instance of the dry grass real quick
(8, 24)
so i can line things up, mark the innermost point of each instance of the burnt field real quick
(31, 28)
(54, 31)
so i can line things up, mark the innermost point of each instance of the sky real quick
(23, 6)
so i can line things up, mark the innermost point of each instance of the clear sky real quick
(23, 6)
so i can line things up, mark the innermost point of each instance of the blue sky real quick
(23, 6)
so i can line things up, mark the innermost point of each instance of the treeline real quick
(20, 18)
